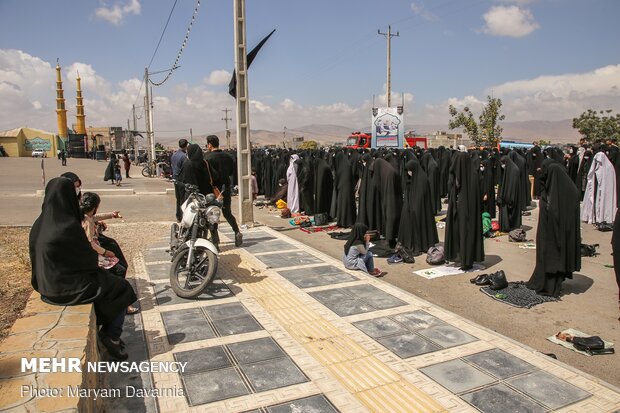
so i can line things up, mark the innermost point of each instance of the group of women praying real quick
(399, 192)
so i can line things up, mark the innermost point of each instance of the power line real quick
(180, 52)
(162, 33)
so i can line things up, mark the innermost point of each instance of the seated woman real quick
(356, 254)
(65, 269)
(108, 258)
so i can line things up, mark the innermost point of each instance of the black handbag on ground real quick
(321, 218)
(589, 250)
(591, 345)
(605, 227)
(405, 253)
(498, 281)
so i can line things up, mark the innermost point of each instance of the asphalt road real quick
(589, 302)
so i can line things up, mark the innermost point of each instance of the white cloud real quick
(116, 13)
(509, 21)
(218, 77)
(419, 9)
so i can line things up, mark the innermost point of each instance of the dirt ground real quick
(14, 276)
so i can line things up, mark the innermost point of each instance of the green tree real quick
(305, 145)
(159, 146)
(598, 125)
(487, 130)
(544, 142)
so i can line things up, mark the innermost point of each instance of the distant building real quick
(22, 141)
(442, 138)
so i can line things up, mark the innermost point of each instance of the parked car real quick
(37, 153)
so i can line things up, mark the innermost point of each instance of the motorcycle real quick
(194, 244)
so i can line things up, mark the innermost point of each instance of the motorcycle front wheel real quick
(191, 282)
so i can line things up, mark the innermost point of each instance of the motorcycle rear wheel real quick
(190, 284)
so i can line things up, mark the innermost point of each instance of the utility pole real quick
(389, 36)
(135, 137)
(148, 108)
(226, 119)
(191, 136)
(246, 214)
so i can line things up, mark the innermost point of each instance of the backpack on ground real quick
(435, 256)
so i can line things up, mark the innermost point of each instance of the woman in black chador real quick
(417, 230)
(305, 182)
(487, 187)
(369, 211)
(464, 219)
(194, 171)
(582, 173)
(345, 213)
(432, 171)
(65, 269)
(323, 186)
(387, 184)
(509, 196)
(558, 237)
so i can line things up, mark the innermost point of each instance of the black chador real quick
(65, 269)
(526, 190)
(345, 192)
(534, 160)
(432, 171)
(323, 186)
(464, 219)
(582, 173)
(444, 170)
(369, 211)
(417, 230)
(487, 187)
(558, 237)
(387, 184)
(305, 182)
(509, 197)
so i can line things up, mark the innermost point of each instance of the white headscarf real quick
(599, 204)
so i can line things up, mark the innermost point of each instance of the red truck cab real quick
(363, 140)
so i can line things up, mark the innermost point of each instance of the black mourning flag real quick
(232, 86)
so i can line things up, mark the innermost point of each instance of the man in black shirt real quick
(176, 162)
(223, 165)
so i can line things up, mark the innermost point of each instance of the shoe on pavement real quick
(376, 273)
(395, 259)
(115, 349)
(238, 239)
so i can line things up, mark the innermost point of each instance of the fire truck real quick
(363, 140)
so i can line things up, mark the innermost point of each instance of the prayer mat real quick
(444, 270)
(575, 333)
(517, 295)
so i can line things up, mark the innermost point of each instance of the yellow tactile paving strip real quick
(371, 381)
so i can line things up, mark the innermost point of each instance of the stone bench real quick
(56, 332)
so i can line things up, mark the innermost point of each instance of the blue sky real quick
(547, 59)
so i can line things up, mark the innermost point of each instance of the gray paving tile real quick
(152, 255)
(237, 325)
(319, 270)
(273, 374)
(257, 246)
(253, 351)
(289, 259)
(447, 336)
(501, 399)
(166, 296)
(418, 320)
(158, 271)
(374, 296)
(380, 327)
(312, 404)
(331, 296)
(548, 389)
(363, 290)
(214, 385)
(204, 359)
(317, 280)
(350, 306)
(221, 311)
(184, 329)
(499, 363)
(457, 376)
(256, 235)
(408, 345)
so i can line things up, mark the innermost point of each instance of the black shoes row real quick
(495, 281)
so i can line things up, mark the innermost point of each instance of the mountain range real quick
(559, 132)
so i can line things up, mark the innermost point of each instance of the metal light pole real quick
(246, 214)
(389, 36)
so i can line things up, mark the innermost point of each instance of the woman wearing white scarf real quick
(599, 201)
(292, 197)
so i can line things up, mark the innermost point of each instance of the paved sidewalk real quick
(286, 329)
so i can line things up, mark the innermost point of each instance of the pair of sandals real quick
(495, 281)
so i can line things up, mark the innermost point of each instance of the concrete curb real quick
(114, 192)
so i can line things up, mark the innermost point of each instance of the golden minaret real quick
(61, 112)
(80, 129)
